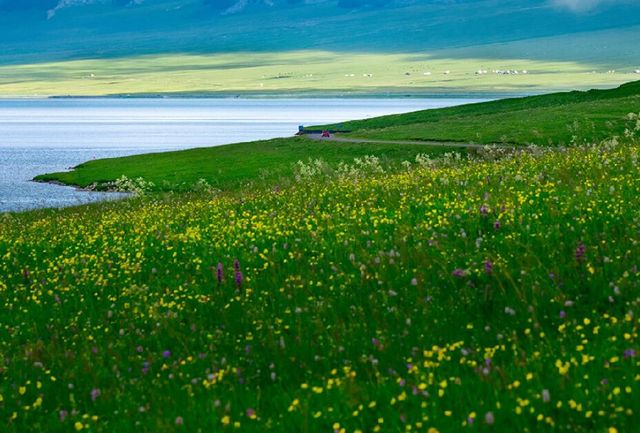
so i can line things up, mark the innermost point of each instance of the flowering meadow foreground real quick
(494, 295)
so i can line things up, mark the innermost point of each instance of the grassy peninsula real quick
(559, 119)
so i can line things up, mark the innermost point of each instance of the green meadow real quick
(349, 288)
(302, 72)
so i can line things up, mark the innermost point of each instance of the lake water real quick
(42, 136)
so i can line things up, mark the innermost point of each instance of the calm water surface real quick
(41, 136)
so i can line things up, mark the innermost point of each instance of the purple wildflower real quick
(488, 418)
(95, 393)
(459, 273)
(63, 415)
(488, 267)
(484, 209)
(251, 413)
(236, 265)
(179, 420)
(166, 354)
(239, 278)
(496, 224)
(630, 353)
(219, 272)
(581, 250)
(563, 314)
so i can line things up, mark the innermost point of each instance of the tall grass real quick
(494, 294)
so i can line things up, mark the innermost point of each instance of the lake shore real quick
(59, 134)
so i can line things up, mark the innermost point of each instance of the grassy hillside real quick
(482, 296)
(554, 119)
(177, 47)
(231, 166)
(162, 27)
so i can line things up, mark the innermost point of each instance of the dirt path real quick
(318, 136)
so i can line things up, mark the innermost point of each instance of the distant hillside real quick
(319, 47)
(37, 30)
